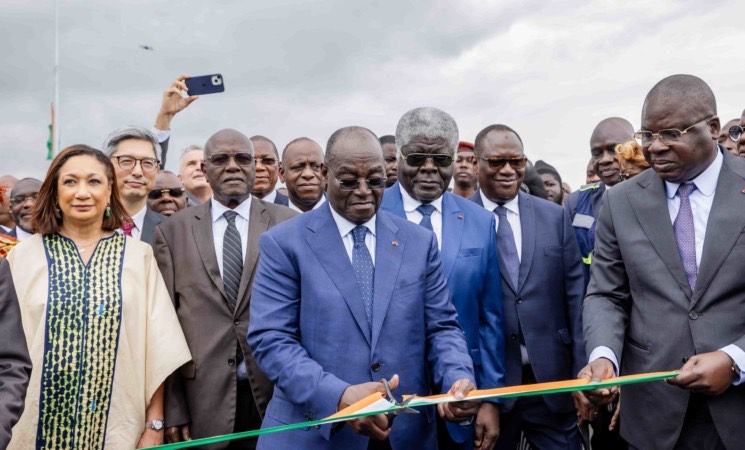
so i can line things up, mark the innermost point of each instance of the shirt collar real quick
(512, 205)
(316, 206)
(410, 204)
(706, 182)
(345, 227)
(270, 197)
(139, 218)
(217, 209)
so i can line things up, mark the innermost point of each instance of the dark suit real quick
(471, 266)
(15, 364)
(640, 305)
(310, 334)
(164, 152)
(281, 199)
(203, 393)
(545, 306)
(152, 219)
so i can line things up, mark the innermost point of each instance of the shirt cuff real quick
(605, 352)
(161, 135)
(738, 356)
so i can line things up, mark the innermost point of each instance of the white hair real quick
(191, 148)
(130, 132)
(430, 123)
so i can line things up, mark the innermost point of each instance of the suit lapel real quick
(723, 227)
(325, 242)
(527, 226)
(258, 223)
(388, 257)
(452, 227)
(394, 201)
(648, 205)
(202, 234)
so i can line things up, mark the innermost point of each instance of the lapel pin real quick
(395, 243)
(460, 216)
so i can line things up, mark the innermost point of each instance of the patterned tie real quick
(506, 245)
(127, 228)
(426, 211)
(685, 233)
(232, 258)
(363, 269)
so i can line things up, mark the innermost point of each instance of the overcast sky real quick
(551, 70)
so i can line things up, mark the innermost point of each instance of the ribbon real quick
(377, 404)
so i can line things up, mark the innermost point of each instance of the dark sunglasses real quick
(349, 184)
(240, 158)
(420, 159)
(498, 163)
(155, 194)
(735, 132)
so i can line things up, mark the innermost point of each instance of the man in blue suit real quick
(542, 287)
(345, 295)
(466, 235)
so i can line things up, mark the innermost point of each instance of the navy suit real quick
(281, 199)
(471, 267)
(310, 335)
(546, 305)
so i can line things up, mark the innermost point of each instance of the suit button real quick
(518, 300)
(236, 322)
(375, 367)
(513, 336)
(693, 315)
(231, 362)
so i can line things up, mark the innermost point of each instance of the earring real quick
(107, 212)
(57, 212)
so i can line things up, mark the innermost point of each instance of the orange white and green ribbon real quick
(378, 404)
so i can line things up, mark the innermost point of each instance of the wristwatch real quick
(155, 424)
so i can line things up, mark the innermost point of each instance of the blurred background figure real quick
(302, 160)
(267, 161)
(725, 140)
(631, 159)
(190, 173)
(737, 135)
(551, 182)
(168, 196)
(464, 178)
(390, 154)
(591, 177)
(6, 242)
(22, 200)
(6, 220)
(566, 188)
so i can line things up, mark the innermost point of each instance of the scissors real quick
(402, 406)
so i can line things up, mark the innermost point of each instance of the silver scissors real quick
(402, 406)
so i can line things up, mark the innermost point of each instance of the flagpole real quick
(56, 121)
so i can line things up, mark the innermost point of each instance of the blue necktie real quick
(363, 269)
(426, 211)
(506, 245)
(685, 233)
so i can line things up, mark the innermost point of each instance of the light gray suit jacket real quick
(203, 392)
(640, 305)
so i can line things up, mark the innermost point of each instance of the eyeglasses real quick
(155, 194)
(667, 136)
(735, 132)
(240, 158)
(498, 163)
(21, 199)
(374, 183)
(128, 163)
(268, 161)
(420, 159)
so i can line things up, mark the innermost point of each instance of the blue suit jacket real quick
(547, 302)
(281, 199)
(310, 335)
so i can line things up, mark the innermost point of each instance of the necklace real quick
(84, 248)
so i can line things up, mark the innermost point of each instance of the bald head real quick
(606, 135)
(227, 138)
(615, 128)
(691, 94)
(301, 144)
(349, 140)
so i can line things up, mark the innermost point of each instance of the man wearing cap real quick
(464, 178)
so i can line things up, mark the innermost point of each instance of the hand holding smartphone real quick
(205, 84)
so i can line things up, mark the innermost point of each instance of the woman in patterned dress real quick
(101, 329)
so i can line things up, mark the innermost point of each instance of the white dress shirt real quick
(22, 234)
(220, 225)
(701, 200)
(345, 228)
(410, 206)
(316, 206)
(513, 217)
(269, 198)
(139, 221)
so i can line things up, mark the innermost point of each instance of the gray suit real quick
(203, 392)
(152, 219)
(15, 364)
(639, 303)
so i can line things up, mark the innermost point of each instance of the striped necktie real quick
(232, 258)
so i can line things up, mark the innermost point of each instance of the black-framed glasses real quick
(420, 159)
(155, 194)
(21, 199)
(128, 163)
(735, 132)
(240, 158)
(267, 161)
(498, 163)
(667, 136)
(350, 184)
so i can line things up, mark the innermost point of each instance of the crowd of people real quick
(141, 306)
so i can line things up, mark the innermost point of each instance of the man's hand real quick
(376, 427)
(616, 415)
(459, 411)
(173, 103)
(708, 373)
(599, 370)
(487, 426)
(586, 411)
(178, 434)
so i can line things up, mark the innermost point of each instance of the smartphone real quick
(205, 84)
